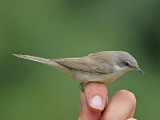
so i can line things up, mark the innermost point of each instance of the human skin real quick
(94, 104)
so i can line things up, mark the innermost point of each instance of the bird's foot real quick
(82, 86)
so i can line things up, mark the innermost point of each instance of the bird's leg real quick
(82, 86)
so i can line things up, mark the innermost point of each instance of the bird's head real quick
(126, 61)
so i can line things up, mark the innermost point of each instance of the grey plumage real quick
(104, 66)
(86, 64)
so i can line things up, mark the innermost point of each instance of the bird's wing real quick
(85, 64)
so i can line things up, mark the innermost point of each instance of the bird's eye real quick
(126, 63)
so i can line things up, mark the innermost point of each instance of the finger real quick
(131, 119)
(121, 106)
(84, 111)
(96, 95)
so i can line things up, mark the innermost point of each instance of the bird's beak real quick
(139, 70)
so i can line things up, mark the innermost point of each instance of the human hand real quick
(94, 104)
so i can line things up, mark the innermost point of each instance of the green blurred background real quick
(72, 28)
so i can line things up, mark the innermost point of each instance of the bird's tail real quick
(33, 58)
(49, 62)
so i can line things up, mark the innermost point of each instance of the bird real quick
(104, 66)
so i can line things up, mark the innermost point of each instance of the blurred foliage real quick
(69, 28)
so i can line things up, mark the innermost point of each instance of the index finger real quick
(97, 96)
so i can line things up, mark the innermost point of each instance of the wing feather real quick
(86, 64)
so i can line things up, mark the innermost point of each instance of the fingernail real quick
(96, 102)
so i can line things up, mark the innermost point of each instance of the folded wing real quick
(86, 64)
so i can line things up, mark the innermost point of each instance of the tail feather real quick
(49, 62)
(33, 58)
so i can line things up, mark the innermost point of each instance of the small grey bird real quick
(105, 66)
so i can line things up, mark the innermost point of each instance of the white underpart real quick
(86, 77)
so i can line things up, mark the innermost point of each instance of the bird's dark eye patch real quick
(126, 63)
